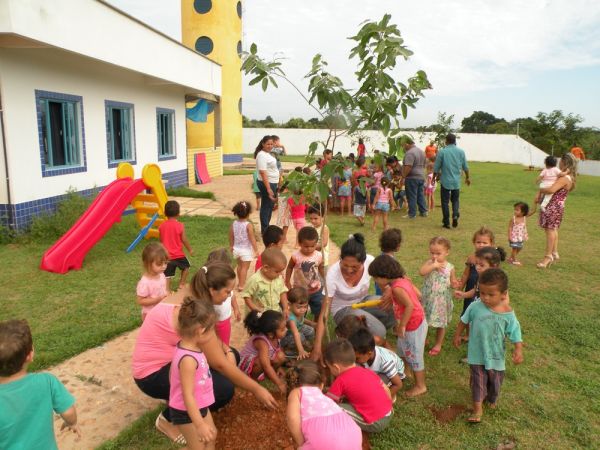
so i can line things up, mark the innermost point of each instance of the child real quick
(191, 385)
(484, 237)
(152, 287)
(272, 237)
(266, 289)
(306, 264)
(385, 363)
(411, 327)
(315, 215)
(316, 421)
(399, 191)
(284, 218)
(377, 177)
(437, 289)
(485, 258)
(430, 186)
(29, 399)
(492, 320)
(547, 178)
(300, 330)
(344, 191)
(297, 211)
(517, 230)
(351, 324)
(383, 203)
(389, 243)
(255, 189)
(262, 356)
(220, 283)
(367, 400)
(172, 236)
(242, 241)
(361, 201)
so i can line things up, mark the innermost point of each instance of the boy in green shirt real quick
(28, 399)
(265, 289)
(491, 321)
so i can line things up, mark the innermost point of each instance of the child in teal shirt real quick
(491, 320)
(28, 399)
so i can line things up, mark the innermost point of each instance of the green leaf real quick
(404, 110)
(265, 84)
(253, 48)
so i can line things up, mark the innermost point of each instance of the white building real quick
(83, 87)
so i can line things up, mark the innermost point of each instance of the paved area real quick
(107, 399)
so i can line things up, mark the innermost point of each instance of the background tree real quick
(478, 122)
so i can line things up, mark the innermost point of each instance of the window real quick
(165, 126)
(60, 125)
(119, 133)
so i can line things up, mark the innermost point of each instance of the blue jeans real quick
(415, 194)
(266, 204)
(315, 302)
(449, 195)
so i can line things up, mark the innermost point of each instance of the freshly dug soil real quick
(447, 414)
(244, 424)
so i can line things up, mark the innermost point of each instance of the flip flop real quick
(475, 418)
(434, 352)
(179, 439)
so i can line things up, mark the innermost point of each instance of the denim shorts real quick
(516, 244)
(383, 206)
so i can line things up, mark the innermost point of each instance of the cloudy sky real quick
(511, 58)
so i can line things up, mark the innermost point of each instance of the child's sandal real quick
(474, 418)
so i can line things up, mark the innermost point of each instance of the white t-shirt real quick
(343, 295)
(224, 309)
(266, 161)
(387, 362)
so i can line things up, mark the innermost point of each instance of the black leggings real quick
(157, 385)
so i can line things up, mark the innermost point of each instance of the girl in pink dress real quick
(316, 421)
(191, 391)
(384, 202)
(152, 287)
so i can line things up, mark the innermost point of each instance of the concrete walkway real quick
(107, 399)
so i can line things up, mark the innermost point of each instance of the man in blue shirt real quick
(448, 165)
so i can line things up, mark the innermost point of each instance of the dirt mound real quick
(447, 414)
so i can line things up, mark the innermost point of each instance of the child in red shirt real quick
(172, 236)
(368, 401)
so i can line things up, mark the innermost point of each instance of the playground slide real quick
(69, 251)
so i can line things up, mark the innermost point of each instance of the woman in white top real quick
(268, 179)
(348, 282)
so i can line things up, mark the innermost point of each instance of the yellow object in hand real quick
(367, 304)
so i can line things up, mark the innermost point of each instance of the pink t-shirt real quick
(203, 385)
(549, 176)
(306, 270)
(364, 391)
(171, 232)
(297, 210)
(155, 343)
(325, 424)
(416, 318)
(384, 195)
(153, 287)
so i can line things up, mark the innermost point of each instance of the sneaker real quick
(464, 360)
(424, 214)
(446, 226)
(454, 222)
(408, 217)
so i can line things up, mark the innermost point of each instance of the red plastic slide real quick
(201, 169)
(69, 251)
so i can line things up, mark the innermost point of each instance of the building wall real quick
(22, 71)
(214, 162)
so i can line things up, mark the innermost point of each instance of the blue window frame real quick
(165, 127)
(61, 133)
(120, 135)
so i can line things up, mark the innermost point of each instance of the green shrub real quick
(187, 192)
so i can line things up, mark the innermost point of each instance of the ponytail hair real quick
(303, 373)
(193, 314)
(215, 276)
(260, 145)
(354, 247)
(263, 322)
(493, 255)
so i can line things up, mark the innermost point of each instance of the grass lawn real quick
(187, 192)
(238, 172)
(82, 309)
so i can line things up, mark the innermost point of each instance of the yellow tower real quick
(214, 29)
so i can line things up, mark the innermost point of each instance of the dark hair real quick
(275, 137)
(440, 240)
(362, 341)
(15, 345)
(297, 294)
(308, 234)
(349, 325)
(360, 161)
(355, 247)
(260, 145)
(450, 139)
(384, 182)
(265, 322)
(351, 156)
(303, 373)
(194, 313)
(172, 208)
(360, 141)
(390, 240)
(494, 277)
(550, 161)
(493, 255)
(524, 207)
(298, 169)
(272, 255)
(340, 351)
(317, 208)
(327, 152)
(484, 231)
(154, 252)
(272, 235)
(385, 266)
(215, 276)
(391, 160)
(218, 255)
(242, 209)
